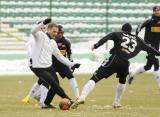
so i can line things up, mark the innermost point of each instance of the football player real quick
(152, 37)
(126, 46)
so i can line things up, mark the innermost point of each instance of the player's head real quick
(156, 10)
(52, 30)
(60, 31)
(127, 27)
(44, 28)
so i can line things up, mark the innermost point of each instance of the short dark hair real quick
(155, 8)
(127, 27)
(60, 28)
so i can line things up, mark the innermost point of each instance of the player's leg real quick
(51, 78)
(48, 77)
(43, 92)
(74, 86)
(65, 71)
(88, 87)
(32, 92)
(122, 72)
(51, 94)
(105, 70)
(135, 72)
(119, 92)
(156, 72)
(37, 94)
(141, 69)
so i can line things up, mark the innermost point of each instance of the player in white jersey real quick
(37, 90)
(41, 60)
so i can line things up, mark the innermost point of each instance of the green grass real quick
(142, 99)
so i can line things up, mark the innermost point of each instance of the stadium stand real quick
(11, 38)
(79, 18)
(83, 20)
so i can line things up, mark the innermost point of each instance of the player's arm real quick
(38, 27)
(140, 27)
(69, 51)
(102, 41)
(148, 48)
(56, 52)
(29, 47)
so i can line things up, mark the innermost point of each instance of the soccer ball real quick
(64, 104)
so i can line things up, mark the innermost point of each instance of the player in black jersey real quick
(152, 37)
(126, 46)
(64, 46)
(63, 43)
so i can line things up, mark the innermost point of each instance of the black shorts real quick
(152, 60)
(45, 75)
(114, 64)
(63, 70)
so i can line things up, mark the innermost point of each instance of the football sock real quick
(119, 92)
(37, 94)
(157, 78)
(43, 95)
(87, 89)
(34, 88)
(137, 71)
(74, 86)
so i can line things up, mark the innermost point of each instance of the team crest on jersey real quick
(59, 44)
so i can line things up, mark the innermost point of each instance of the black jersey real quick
(126, 45)
(64, 46)
(152, 31)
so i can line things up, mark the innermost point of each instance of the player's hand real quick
(71, 60)
(158, 54)
(47, 21)
(92, 48)
(72, 70)
(76, 65)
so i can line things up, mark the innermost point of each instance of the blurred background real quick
(84, 21)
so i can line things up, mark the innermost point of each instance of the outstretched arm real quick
(69, 51)
(140, 27)
(102, 41)
(152, 50)
(36, 29)
(39, 26)
(149, 48)
(56, 52)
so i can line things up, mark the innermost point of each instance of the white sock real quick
(34, 88)
(43, 96)
(157, 78)
(74, 86)
(37, 94)
(119, 92)
(87, 89)
(137, 71)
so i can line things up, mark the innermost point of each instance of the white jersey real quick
(41, 51)
(28, 46)
(43, 48)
